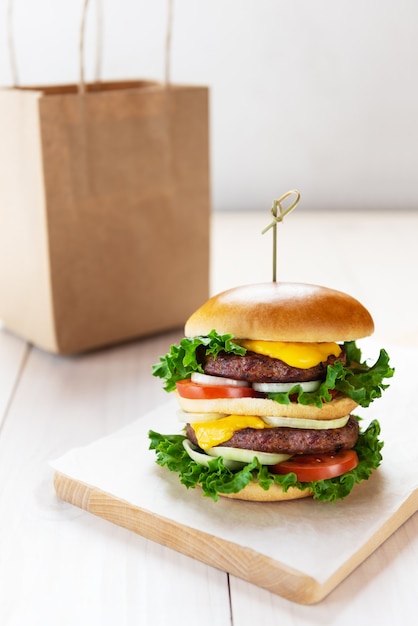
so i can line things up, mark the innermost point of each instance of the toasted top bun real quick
(254, 493)
(279, 311)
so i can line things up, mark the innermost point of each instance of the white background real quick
(321, 95)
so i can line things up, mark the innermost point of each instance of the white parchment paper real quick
(311, 537)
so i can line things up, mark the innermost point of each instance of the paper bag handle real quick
(169, 26)
(10, 43)
(82, 85)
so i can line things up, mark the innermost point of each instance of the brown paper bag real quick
(104, 211)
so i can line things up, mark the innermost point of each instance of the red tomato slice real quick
(311, 467)
(196, 391)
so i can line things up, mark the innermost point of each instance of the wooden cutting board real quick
(236, 559)
(299, 549)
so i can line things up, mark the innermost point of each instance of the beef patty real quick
(291, 440)
(254, 367)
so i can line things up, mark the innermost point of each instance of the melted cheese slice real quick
(218, 431)
(295, 354)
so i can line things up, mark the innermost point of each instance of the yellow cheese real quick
(295, 354)
(218, 431)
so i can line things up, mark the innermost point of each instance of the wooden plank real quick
(13, 353)
(59, 565)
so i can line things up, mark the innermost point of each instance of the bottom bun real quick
(254, 493)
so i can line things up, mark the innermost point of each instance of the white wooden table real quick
(61, 565)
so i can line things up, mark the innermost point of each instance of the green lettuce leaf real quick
(183, 359)
(217, 479)
(357, 380)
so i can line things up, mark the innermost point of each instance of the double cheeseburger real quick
(266, 379)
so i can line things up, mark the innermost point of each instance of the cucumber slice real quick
(309, 385)
(194, 418)
(217, 381)
(246, 456)
(203, 459)
(299, 422)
